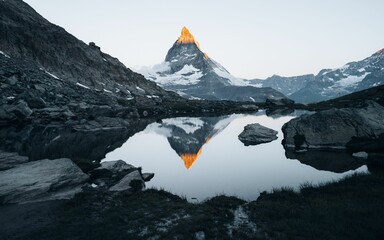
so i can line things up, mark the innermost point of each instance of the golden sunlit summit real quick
(186, 37)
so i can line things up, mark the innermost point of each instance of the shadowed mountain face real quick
(191, 72)
(188, 135)
(330, 83)
(27, 35)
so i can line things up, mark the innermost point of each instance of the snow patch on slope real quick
(188, 75)
(351, 80)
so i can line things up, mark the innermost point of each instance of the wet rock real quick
(132, 181)
(40, 181)
(116, 166)
(336, 128)
(10, 160)
(147, 176)
(254, 134)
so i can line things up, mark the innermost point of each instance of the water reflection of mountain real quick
(187, 135)
(334, 161)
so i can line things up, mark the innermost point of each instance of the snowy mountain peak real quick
(186, 37)
(191, 73)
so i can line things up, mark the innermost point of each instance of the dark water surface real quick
(202, 157)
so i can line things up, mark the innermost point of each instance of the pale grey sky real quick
(251, 38)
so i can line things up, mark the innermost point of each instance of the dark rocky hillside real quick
(47, 74)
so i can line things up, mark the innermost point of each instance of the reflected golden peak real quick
(186, 37)
(190, 158)
(206, 55)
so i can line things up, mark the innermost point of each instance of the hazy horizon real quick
(251, 39)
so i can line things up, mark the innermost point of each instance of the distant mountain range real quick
(193, 74)
(330, 83)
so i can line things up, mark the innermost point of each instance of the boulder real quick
(147, 176)
(254, 134)
(131, 181)
(116, 166)
(337, 128)
(10, 160)
(41, 181)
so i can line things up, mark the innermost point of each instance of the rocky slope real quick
(191, 72)
(330, 83)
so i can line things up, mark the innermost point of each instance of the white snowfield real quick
(188, 75)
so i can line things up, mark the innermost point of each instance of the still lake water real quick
(201, 157)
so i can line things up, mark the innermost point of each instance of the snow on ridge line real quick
(52, 75)
(5, 55)
(81, 85)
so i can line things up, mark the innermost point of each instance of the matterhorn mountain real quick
(190, 72)
(330, 83)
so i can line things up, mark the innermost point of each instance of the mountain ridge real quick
(330, 83)
(190, 72)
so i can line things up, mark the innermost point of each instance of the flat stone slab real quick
(255, 133)
(41, 181)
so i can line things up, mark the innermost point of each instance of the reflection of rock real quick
(41, 180)
(52, 141)
(334, 161)
(254, 134)
(188, 135)
(336, 128)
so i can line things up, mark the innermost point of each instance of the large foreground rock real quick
(41, 180)
(254, 134)
(354, 128)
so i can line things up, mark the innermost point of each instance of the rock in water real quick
(254, 134)
(337, 129)
(41, 180)
(116, 166)
(131, 181)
